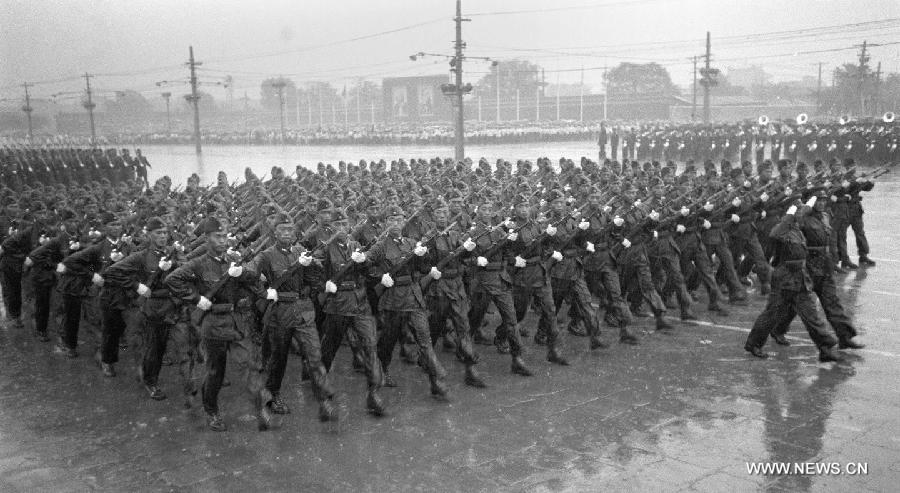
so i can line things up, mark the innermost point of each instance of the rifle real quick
(197, 314)
(379, 288)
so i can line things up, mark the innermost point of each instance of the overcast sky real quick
(131, 44)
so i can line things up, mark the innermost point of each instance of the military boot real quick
(473, 379)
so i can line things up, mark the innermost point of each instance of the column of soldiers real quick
(800, 141)
(386, 256)
(23, 166)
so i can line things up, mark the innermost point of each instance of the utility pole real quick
(498, 92)
(581, 98)
(876, 103)
(166, 96)
(89, 105)
(517, 104)
(706, 86)
(194, 98)
(460, 152)
(863, 69)
(279, 86)
(605, 90)
(819, 91)
(28, 109)
(694, 99)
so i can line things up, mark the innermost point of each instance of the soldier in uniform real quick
(218, 286)
(346, 306)
(445, 294)
(401, 304)
(791, 290)
(42, 262)
(15, 247)
(282, 266)
(491, 282)
(820, 265)
(531, 277)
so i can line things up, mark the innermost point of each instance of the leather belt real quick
(222, 308)
(288, 296)
(403, 281)
(493, 266)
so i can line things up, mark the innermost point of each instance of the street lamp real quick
(166, 96)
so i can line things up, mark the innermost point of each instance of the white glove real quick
(590, 247)
(43, 239)
(708, 207)
(811, 202)
(845, 183)
(520, 262)
(618, 221)
(116, 255)
(73, 245)
(584, 225)
(684, 211)
(60, 268)
(706, 224)
(143, 290)
(764, 197)
(305, 260)
(858, 179)
(556, 255)
(204, 303)
(512, 236)
(626, 243)
(509, 223)
(680, 228)
(481, 261)
(655, 234)
(791, 210)
(747, 184)
(654, 216)
(262, 278)
(97, 279)
(736, 202)
(542, 203)
(434, 273)
(386, 280)
(164, 265)
(637, 202)
(607, 208)
(235, 270)
(735, 218)
(271, 294)
(788, 191)
(763, 214)
(358, 256)
(469, 245)
(179, 246)
(330, 287)
(834, 198)
(551, 230)
(28, 262)
(827, 184)
(420, 250)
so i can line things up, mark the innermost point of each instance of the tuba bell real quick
(763, 120)
(844, 120)
(888, 117)
(802, 118)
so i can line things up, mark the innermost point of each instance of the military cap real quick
(155, 223)
(439, 203)
(212, 225)
(555, 194)
(66, 214)
(393, 210)
(801, 165)
(108, 218)
(281, 218)
(783, 163)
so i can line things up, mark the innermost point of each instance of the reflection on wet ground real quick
(681, 412)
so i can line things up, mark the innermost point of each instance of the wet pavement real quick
(681, 412)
